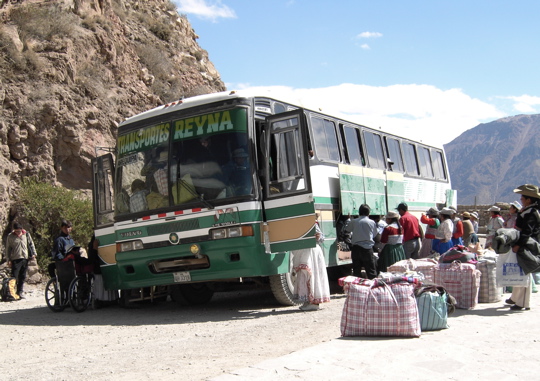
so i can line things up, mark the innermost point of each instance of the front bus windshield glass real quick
(211, 155)
(209, 160)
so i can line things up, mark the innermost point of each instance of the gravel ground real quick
(163, 341)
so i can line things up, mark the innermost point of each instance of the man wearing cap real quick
(411, 231)
(19, 249)
(495, 223)
(61, 243)
(528, 224)
(364, 235)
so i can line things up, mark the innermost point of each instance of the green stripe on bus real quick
(290, 211)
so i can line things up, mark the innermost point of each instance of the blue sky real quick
(429, 70)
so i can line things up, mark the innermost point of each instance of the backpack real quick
(9, 290)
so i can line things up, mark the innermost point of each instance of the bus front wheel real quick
(191, 294)
(282, 286)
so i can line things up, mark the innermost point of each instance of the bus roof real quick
(234, 94)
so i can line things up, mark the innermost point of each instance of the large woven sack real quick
(376, 308)
(461, 280)
(488, 292)
(423, 265)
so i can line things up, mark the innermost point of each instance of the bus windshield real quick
(195, 159)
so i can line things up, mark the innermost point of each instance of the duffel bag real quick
(461, 280)
(434, 305)
(488, 292)
(376, 308)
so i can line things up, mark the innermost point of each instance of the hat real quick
(447, 211)
(528, 190)
(402, 206)
(516, 204)
(239, 152)
(432, 212)
(70, 248)
(466, 214)
(453, 208)
(391, 214)
(474, 214)
(163, 155)
(494, 209)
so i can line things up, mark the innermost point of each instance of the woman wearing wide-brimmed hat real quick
(528, 223)
(392, 237)
(443, 241)
(510, 221)
(495, 223)
(431, 219)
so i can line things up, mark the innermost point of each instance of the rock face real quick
(71, 70)
(488, 161)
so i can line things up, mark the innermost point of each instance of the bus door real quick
(102, 195)
(288, 206)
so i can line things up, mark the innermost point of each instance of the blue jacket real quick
(59, 247)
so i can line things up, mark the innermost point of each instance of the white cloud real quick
(205, 9)
(420, 112)
(369, 35)
(365, 46)
(525, 103)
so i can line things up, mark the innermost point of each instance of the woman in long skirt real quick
(392, 237)
(311, 285)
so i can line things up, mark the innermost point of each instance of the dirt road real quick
(164, 341)
(243, 334)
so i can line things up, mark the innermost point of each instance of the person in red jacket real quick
(431, 219)
(457, 236)
(411, 231)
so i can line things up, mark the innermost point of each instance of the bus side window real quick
(438, 165)
(325, 138)
(353, 152)
(394, 154)
(411, 164)
(374, 150)
(425, 162)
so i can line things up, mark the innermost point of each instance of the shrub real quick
(45, 205)
(44, 21)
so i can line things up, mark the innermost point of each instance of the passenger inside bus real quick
(237, 174)
(137, 201)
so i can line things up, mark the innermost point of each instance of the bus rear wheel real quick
(282, 286)
(191, 294)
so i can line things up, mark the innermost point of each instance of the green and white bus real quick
(222, 187)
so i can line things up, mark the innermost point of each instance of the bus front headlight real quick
(129, 246)
(232, 232)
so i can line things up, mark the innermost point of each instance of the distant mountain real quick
(488, 161)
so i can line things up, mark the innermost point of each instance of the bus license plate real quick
(183, 276)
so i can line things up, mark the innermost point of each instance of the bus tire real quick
(191, 294)
(282, 286)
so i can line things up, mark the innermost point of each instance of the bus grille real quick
(173, 227)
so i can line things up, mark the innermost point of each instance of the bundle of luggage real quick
(393, 305)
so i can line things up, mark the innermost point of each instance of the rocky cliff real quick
(488, 161)
(71, 70)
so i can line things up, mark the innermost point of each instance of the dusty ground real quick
(162, 341)
(244, 335)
